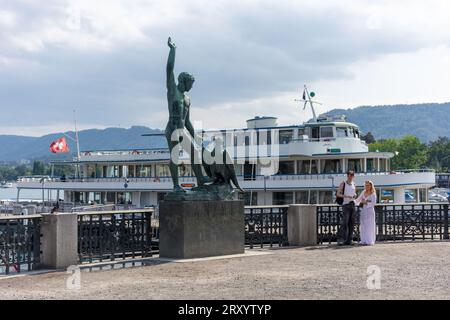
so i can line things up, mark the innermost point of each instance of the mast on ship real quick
(77, 142)
(308, 99)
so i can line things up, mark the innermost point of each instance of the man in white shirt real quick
(347, 191)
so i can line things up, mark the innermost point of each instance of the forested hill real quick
(426, 121)
(16, 148)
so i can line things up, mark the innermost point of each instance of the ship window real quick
(97, 197)
(354, 164)
(110, 197)
(124, 198)
(331, 166)
(315, 133)
(286, 167)
(325, 197)
(313, 197)
(301, 197)
(238, 169)
(131, 171)
(264, 137)
(162, 170)
(286, 136)
(387, 196)
(341, 132)
(249, 171)
(303, 167)
(371, 165)
(314, 167)
(350, 132)
(283, 198)
(383, 166)
(247, 140)
(307, 167)
(91, 171)
(326, 132)
(144, 171)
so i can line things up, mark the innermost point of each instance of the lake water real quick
(11, 194)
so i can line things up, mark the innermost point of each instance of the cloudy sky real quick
(106, 59)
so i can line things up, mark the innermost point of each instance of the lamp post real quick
(43, 191)
(333, 195)
(265, 189)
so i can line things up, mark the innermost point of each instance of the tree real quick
(412, 153)
(439, 154)
(22, 170)
(38, 168)
(409, 152)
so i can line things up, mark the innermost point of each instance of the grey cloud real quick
(243, 53)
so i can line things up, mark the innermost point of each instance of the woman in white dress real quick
(368, 198)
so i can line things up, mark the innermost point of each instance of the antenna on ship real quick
(77, 141)
(307, 98)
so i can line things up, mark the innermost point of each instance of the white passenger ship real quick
(313, 158)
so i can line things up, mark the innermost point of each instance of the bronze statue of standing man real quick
(179, 105)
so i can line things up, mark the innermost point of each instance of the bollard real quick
(59, 242)
(302, 225)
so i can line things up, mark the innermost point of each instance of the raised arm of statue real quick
(171, 65)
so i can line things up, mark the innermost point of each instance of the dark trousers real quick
(347, 223)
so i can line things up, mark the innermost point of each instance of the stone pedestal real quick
(199, 229)
(302, 225)
(59, 242)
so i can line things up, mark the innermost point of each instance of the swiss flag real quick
(60, 146)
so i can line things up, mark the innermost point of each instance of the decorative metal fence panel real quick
(266, 226)
(412, 222)
(20, 243)
(328, 223)
(393, 222)
(114, 235)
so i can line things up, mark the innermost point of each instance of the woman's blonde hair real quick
(372, 187)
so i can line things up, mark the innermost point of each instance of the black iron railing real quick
(393, 222)
(266, 226)
(115, 235)
(19, 243)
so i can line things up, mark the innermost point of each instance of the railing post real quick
(446, 235)
(302, 225)
(379, 221)
(59, 240)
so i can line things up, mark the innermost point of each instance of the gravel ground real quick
(408, 270)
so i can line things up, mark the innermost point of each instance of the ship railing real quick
(19, 243)
(192, 179)
(326, 176)
(93, 208)
(124, 180)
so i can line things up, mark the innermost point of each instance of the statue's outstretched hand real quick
(171, 44)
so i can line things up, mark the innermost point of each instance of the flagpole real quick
(77, 142)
